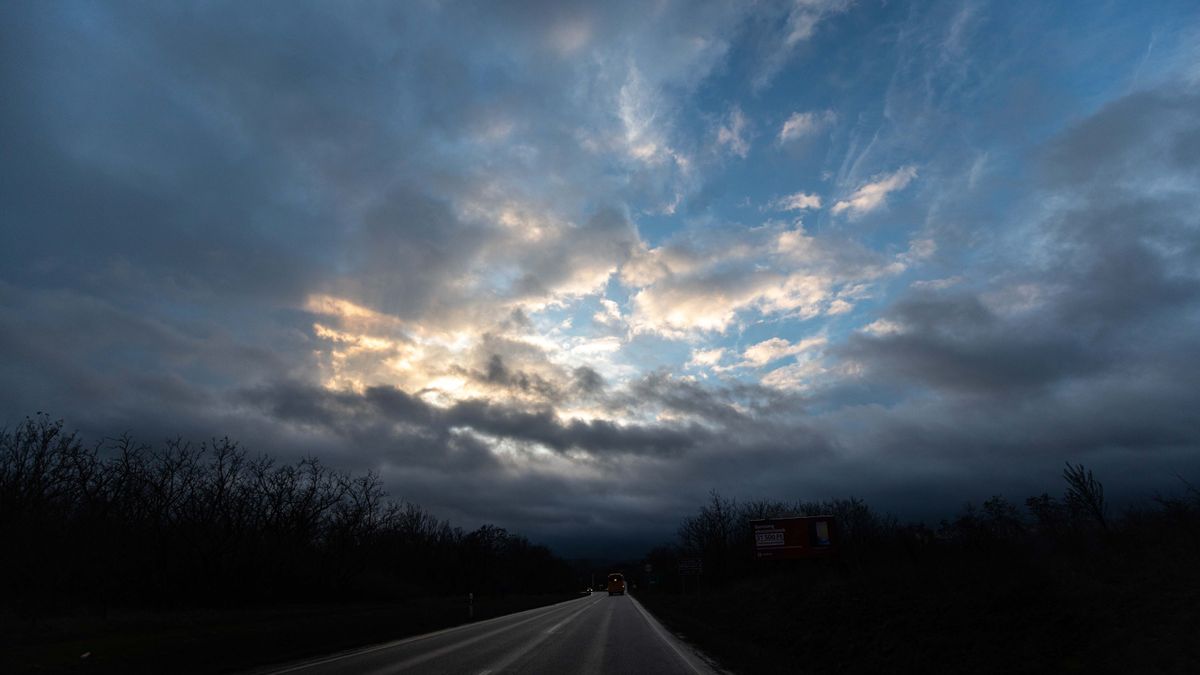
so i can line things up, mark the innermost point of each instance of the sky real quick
(568, 267)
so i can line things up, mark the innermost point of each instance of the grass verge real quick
(976, 619)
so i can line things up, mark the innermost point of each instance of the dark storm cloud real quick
(1080, 345)
(1111, 287)
(956, 342)
(176, 181)
(587, 381)
(498, 374)
(1155, 130)
(507, 364)
(688, 398)
(220, 154)
(380, 407)
(405, 248)
(131, 172)
(436, 456)
(113, 367)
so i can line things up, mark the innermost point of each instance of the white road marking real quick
(554, 629)
(512, 657)
(417, 638)
(653, 623)
(450, 648)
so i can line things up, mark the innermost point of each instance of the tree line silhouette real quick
(1077, 525)
(121, 523)
(1056, 584)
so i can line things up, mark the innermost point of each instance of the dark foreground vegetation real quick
(1055, 585)
(231, 640)
(96, 535)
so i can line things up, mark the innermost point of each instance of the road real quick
(593, 634)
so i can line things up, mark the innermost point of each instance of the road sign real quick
(800, 537)
(691, 566)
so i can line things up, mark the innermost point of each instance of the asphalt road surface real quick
(593, 634)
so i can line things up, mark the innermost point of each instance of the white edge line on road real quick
(653, 623)
(396, 643)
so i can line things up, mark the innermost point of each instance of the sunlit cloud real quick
(883, 327)
(609, 313)
(798, 376)
(706, 358)
(797, 201)
(774, 349)
(873, 195)
(777, 270)
(839, 306)
(348, 311)
(802, 125)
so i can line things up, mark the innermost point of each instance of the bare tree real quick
(1085, 495)
(180, 523)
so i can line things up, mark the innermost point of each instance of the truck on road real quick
(616, 584)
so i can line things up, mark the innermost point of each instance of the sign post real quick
(690, 567)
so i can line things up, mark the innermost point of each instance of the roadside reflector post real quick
(470, 605)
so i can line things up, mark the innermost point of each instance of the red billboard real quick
(800, 537)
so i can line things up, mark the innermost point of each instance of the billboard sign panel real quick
(799, 537)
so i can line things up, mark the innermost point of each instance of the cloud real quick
(791, 24)
(839, 306)
(937, 284)
(609, 313)
(956, 343)
(708, 284)
(773, 349)
(873, 195)
(797, 202)
(500, 268)
(804, 124)
(1107, 264)
(706, 358)
(378, 408)
(806, 14)
(711, 301)
(733, 134)
(883, 327)
(797, 376)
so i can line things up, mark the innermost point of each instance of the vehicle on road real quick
(616, 584)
